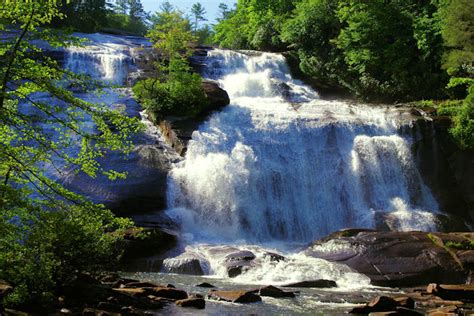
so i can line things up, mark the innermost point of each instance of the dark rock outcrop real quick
(196, 302)
(398, 259)
(235, 296)
(143, 246)
(186, 264)
(446, 169)
(205, 285)
(237, 262)
(272, 291)
(177, 131)
(461, 292)
(216, 97)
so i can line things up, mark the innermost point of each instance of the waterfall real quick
(280, 163)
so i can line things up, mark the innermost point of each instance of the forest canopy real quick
(395, 51)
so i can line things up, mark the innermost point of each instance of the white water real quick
(280, 166)
(110, 59)
(290, 166)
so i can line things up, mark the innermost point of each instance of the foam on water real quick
(280, 166)
(279, 163)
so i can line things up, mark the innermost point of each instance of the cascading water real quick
(110, 59)
(281, 164)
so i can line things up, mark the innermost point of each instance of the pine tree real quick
(198, 12)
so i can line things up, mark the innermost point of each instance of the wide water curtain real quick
(279, 163)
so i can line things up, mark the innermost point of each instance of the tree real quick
(82, 15)
(167, 7)
(224, 12)
(458, 32)
(122, 6)
(48, 234)
(174, 89)
(198, 12)
(136, 10)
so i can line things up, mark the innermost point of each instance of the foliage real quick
(254, 24)
(128, 16)
(204, 35)
(198, 12)
(386, 46)
(81, 15)
(376, 49)
(180, 95)
(48, 234)
(311, 32)
(458, 31)
(123, 22)
(464, 245)
(174, 90)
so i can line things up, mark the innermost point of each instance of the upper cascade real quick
(280, 163)
(104, 57)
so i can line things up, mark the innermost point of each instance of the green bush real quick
(124, 22)
(44, 249)
(180, 95)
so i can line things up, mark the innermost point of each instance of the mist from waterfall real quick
(281, 164)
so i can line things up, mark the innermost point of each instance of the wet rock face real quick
(145, 248)
(397, 259)
(447, 170)
(186, 264)
(237, 262)
(272, 291)
(216, 96)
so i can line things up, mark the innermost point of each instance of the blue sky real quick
(185, 6)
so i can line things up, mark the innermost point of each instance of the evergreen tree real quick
(198, 12)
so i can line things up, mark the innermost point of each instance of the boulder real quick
(216, 96)
(243, 255)
(206, 285)
(378, 304)
(135, 292)
(235, 296)
(237, 262)
(274, 256)
(405, 301)
(272, 291)
(195, 302)
(444, 311)
(313, 284)
(145, 248)
(168, 292)
(461, 292)
(186, 263)
(395, 259)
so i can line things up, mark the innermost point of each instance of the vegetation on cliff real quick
(49, 235)
(392, 51)
(173, 89)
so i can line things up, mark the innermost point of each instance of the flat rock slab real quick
(313, 284)
(235, 296)
(463, 292)
(272, 291)
(195, 302)
(397, 259)
(167, 292)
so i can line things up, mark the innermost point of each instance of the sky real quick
(211, 6)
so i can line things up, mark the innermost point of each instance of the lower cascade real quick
(280, 167)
